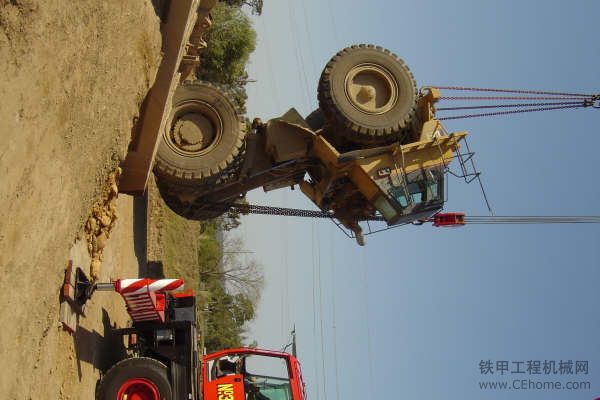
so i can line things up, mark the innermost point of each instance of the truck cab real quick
(416, 196)
(252, 374)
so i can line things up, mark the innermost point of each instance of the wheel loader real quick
(373, 148)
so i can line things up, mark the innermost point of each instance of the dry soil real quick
(72, 77)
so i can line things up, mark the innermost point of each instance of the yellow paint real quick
(225, 391)
(325, 152)
(435, 149)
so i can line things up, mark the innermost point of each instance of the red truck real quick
(164, 362)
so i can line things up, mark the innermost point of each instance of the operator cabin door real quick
(225, 382)
(267, 377)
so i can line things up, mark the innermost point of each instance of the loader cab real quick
(251, 374)
(411, 197)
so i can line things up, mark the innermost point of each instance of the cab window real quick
(420, 188)
(228, 365)
(266, 378)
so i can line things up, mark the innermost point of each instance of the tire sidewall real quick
(221, 155)
(171, 198)
(390, 121)
(145, 368)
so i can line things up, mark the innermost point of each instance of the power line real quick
(283, 291)
(334, 327)
(366, 303)
(298, 53)
(284, 259)
(272, 85)
(315, 69)
(314, 287)
(318, 244)
(333, 25)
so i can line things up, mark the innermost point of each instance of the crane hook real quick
(593, 101)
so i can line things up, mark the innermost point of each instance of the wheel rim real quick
(138, 389)
(371, 89)
(193, 129)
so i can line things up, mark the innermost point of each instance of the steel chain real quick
(509, 105)
(508, 98)
(509, 112)
(270, 210)
(471, 89)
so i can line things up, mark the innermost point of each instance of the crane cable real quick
(472, 89)
(560, 100)
(537, 219)
(474, 219)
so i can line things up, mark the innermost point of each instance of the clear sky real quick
(413, 313)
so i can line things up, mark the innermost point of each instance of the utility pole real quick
(294, 341)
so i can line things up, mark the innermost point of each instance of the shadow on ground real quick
(160, 8)
(140, 208)
(153, 269)
(101, 350)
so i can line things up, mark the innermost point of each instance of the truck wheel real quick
(315, 120)
(367, 94)
(186, 210)
(135, 378)
(203, 134)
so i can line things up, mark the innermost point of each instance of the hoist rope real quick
(526, 110)
(564, 103)
(576, 100)
(538, 219)
(510, 98)
(474, 219)
(471, 89)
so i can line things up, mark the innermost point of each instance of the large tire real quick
(173, 199)
(316, 120)
(203, 135)
(367, 94)
(143, 376)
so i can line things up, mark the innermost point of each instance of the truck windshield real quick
(421, 187)
(266, 378)
(268, 388)
(417, 192)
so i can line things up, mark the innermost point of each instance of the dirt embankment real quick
(73, 77)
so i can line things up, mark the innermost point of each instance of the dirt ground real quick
(73, 75)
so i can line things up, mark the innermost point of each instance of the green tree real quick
(231, 41)
(232, 218)
(234, 286)
(226, 318)
(240, 276)
(255, 5)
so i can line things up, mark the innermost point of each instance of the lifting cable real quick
(475, 219)
(520, 219)
(559, 101)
